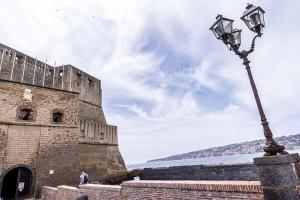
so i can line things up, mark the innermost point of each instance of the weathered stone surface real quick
(103, 192)
(281, 176)
(120, 176)
(277, 160)
(67, 193)
(56, 152)
(49, 193)
(244, 172)
(188, 190)
(215, 190)
(282, 194)
(278, 178)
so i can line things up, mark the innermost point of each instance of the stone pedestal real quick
(279, 176)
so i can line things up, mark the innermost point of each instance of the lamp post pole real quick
(271, 147)
(231, 37)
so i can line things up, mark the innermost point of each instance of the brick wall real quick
(49, 193)
(94, 192)
(43, 103)
(46, 146)
(191, 190)
(67, 193)
(100, 160)
(22, 146)
(103, 192)
(54, 152)
(59, 152)
(243, 172)
(161, 190)
(3, 140)
(93, 159)
(40, 143)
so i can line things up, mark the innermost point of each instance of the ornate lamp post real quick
(223, 30)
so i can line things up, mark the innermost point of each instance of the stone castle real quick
(52, 126)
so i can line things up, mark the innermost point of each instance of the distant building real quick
(52, 126)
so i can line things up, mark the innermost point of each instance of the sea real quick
(219, 160)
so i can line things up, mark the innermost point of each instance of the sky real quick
(168, 84)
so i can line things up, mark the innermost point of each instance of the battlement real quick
(19, 67)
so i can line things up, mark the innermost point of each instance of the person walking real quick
(84, 178)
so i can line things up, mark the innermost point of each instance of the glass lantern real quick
(222, 28)
(235, 39)
(254, 18)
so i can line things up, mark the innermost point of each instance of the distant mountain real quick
(291, 142)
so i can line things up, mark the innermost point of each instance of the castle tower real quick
(52, 126)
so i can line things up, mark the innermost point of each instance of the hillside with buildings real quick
(291, 142)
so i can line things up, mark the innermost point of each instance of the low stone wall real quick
(94, 192)
(67, 193)
(49, 193)
(214, 190)
(239, 172)
(103, 192)
(156, 190)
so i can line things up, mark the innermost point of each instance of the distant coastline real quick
(291, 142)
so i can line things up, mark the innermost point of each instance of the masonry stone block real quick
(278, 176)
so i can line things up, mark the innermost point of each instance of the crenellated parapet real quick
(98, 133)
(19, 67)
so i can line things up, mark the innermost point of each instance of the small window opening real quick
(61, 72)
(101, 136)
(19, 58)
(82, 133)
(90, 83)
(49, 72)
(57, 117)
(26, 114)
(78, 78)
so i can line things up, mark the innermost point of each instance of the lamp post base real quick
(279, 176)
(272, 148)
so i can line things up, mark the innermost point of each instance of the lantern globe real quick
(235, 39)
(254, 18)
(222, 27)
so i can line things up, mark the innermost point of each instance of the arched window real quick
(25, 114)
(101, 136)
(57, 117)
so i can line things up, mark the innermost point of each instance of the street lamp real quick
(224, 31)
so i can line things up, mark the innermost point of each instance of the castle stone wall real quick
(93, 158)
(88, 86)
(18, 67)
(40, 143)
(59, 153)
(43, 103)
(52, 122)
